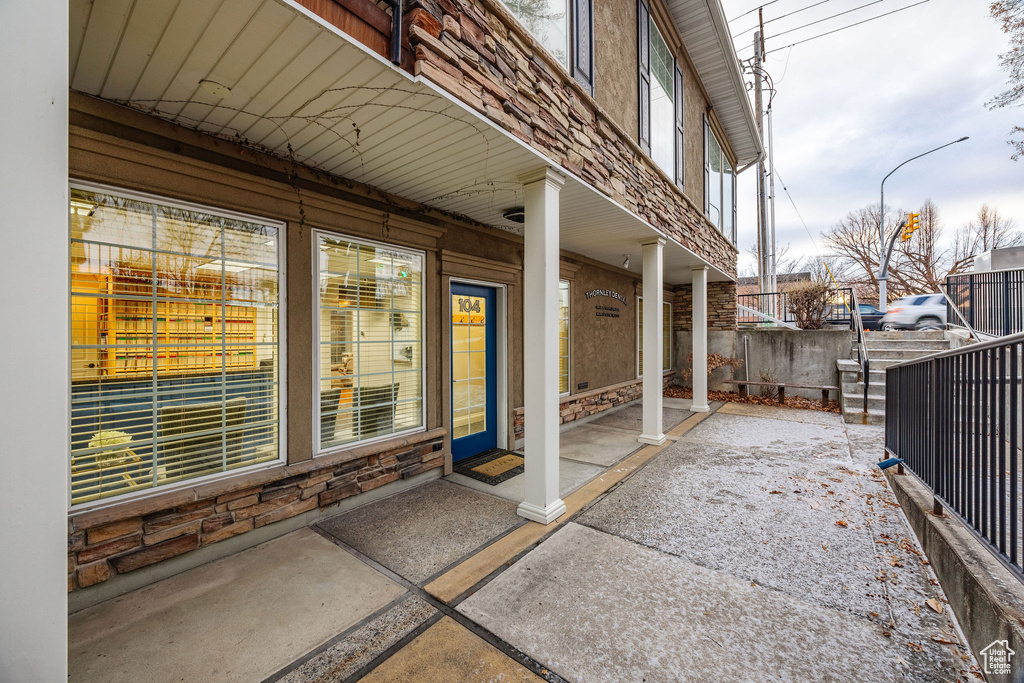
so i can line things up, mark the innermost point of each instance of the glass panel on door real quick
(473, 363)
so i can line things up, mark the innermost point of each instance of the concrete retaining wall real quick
(797, 356)
(987, 599)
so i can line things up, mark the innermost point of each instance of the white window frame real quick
(282, 350)
(731, 235)
(568, 342)
(671, 92)
(316, 235)
(639, 340)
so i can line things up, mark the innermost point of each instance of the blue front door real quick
(474, 418)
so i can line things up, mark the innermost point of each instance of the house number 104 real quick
(469, 305)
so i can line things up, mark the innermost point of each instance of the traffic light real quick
(913, 223)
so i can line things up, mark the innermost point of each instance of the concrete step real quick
(857, 389)
(905, 334)
(847, 367)
(853, 403)
(872, 417)
(900, 354)
(899, 344)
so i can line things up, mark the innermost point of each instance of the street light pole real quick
(883, 258)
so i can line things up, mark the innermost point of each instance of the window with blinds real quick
(563, 337)
(666, 339)
(370, 365)
(175, 336)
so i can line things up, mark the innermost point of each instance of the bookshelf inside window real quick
(197, 336)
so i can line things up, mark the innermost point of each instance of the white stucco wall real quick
(33, 340)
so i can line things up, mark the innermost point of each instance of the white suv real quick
(916, 312)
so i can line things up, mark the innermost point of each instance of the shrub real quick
(770, 376)
(715, 361)
(809, 303)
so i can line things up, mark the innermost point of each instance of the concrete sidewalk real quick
(758, 544)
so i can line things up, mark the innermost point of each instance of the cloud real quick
(852, 106)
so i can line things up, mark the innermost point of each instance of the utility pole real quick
(763, 257)
(771, 193)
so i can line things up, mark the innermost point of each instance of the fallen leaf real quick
(824, 547)
(940, 639)
(775, 492)
(914, 646)
(840, 522)
(934, 604)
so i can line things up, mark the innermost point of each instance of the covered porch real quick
(246, 78)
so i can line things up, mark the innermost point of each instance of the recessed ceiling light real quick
(516, 214)
(215, 88)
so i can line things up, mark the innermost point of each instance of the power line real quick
(782, 16)
(802, 222)
(753, 10)
(790, 30)
(841, 28)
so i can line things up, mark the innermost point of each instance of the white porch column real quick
(700, 340)
(34, 341)
(654, 286)
(541, 502)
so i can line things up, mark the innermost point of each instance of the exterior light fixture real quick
(216, 89)
(517, 214)
(625, 262)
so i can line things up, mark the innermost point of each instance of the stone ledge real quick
(124, 538)
(986, 597)
(169, 499)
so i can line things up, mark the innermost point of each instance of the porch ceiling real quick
(300, 88)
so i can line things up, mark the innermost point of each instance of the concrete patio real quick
(756, 544)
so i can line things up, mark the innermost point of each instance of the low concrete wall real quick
(987, 599)
(797, 356)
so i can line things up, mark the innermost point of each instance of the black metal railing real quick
(955, 419)
(860, 341)
(993, 302)
(776, 305)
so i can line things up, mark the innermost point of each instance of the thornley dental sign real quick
(607, 292)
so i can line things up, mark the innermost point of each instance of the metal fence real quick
(955, 419)
(993, 302)
(776, 304)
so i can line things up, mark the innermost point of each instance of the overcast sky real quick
(853, 105)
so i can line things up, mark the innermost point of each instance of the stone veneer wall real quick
(475, 50)
(102, 543)
(721, 307)
(592, 402)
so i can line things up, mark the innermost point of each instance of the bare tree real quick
(1010, 13)
(855, 246)
(989, 230)
(922, 263)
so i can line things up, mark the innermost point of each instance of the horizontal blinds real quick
(370, 360)
(175, 333)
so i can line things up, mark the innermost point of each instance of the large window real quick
(563, 337)
(174, 343)
(662, 108)
(370, 365)
(548, 22)
(666, 336)
(720, 190)
(569, 40)
(661, 97)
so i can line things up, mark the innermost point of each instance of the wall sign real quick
(607, 292)
(607, 311)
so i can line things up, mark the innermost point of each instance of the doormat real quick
(491, 467)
